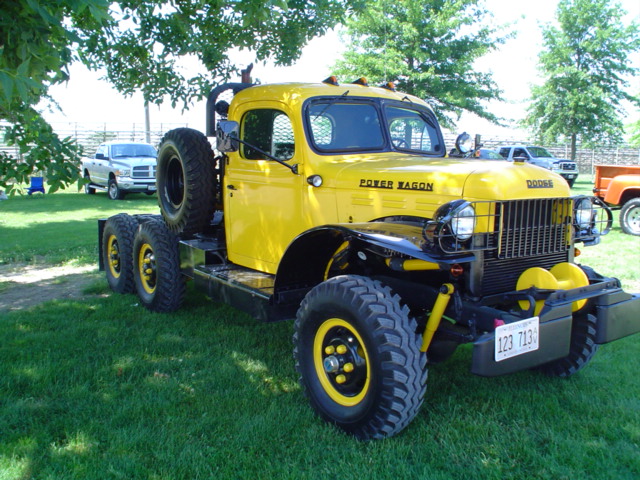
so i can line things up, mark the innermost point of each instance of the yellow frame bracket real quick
(446, 290)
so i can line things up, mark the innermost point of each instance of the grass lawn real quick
(100, 388)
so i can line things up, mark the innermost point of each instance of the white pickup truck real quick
(541, 157)
(121, 168)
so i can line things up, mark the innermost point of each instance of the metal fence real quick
(586, 158)
(89, 136)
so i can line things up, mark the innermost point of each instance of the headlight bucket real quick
(452, 227)
(592, 218)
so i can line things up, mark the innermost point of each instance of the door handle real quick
(231, 187)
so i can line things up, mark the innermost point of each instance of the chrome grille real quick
(144, 171)
(569, 166)
(533, 227)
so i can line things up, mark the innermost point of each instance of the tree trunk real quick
(574, 138)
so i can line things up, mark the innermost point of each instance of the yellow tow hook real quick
(446, 290)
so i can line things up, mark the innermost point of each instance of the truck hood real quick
(133, 161)
(471, 179)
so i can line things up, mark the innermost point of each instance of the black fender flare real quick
(304, 263)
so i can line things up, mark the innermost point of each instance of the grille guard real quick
(518, 228)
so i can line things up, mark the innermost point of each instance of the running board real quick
(245, 289)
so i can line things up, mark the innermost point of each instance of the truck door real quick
(99, 165)
(263, 197)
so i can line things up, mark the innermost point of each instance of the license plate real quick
(516, 338)
(571, 177)
(151, 188)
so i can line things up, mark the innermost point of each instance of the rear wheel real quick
(582, 348)
(88, 188)
(156, 267)
(117, 245)
(630, 217)
(358, 356)
(186, 180)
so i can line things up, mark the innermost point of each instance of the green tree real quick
(427, 48)
(139, 44)
(586, 68)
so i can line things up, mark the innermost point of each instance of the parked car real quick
(619, 187)
(541, 157)
(120, 168)
(488, 154)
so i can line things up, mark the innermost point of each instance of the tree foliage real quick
(586, 68)
(428, 48)
(139, 44)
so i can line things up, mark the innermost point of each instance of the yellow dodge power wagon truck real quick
(336, 204)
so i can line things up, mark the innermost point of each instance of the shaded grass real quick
(207, 392)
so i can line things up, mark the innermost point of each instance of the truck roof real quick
(293, 93)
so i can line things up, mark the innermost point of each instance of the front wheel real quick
(358, 356)
(630, 217)
(114, 191)
(156, 267)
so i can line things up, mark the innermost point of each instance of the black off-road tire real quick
(156, 267)
(186, 181)
(114, 191)
(582, 348)
(384, 386)
(630, 217)
(117, 247)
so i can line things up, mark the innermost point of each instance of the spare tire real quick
(186, 181)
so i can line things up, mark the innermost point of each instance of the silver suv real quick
(541, 157)
(121, 168)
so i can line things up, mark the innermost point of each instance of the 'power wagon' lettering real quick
(423, 186)
(388, 184)
(539, 183)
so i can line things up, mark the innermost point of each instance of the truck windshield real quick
(539, 152)
(343, 125)
(338, 126)
(132, 150)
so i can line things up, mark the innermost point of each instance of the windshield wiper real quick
(331, 102)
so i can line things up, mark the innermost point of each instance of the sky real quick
(88, 102)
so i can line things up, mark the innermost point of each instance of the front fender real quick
(305, 261)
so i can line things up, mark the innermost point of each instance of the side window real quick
(520, 152)
(504, 152)
(270, 131)
(102, 149)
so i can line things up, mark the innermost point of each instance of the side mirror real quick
(100, 156)
(227, 136)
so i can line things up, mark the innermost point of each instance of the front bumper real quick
(617, 314)
(135, 185)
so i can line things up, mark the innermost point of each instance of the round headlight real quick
(463, 223)
(583, 213)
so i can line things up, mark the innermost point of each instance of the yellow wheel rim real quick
(113, 254)
(341, 362)
(147, 268)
